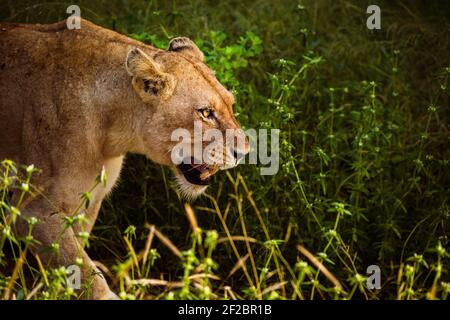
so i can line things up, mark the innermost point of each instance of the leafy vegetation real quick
(364, 175)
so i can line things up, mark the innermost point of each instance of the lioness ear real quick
(186, 46)
(148, 79)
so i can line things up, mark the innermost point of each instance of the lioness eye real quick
(207, 113)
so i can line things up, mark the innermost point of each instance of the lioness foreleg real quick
(58, 245)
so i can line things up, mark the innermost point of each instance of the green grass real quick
(364, 175)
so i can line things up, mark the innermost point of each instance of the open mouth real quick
(198, 174)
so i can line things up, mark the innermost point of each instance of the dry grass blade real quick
(239, 264)
(227, 290)
(157, 282)
(148, 244)
(15, 274)
(166, 242)
(237, 238)
(270, 274)
(203, 275)
(42, 270)
(238, 200)
(273, 287)
(227, 231)
(319, 266)
(34, 291)
(191, 217)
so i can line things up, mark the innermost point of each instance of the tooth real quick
(209, 172)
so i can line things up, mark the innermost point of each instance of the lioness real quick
(75, 101)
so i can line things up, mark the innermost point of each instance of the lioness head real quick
(180, 92)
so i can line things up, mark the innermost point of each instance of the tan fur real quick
(74, 101)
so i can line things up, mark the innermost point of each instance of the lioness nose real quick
(240, 146)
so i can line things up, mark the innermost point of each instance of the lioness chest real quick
(111, 168)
